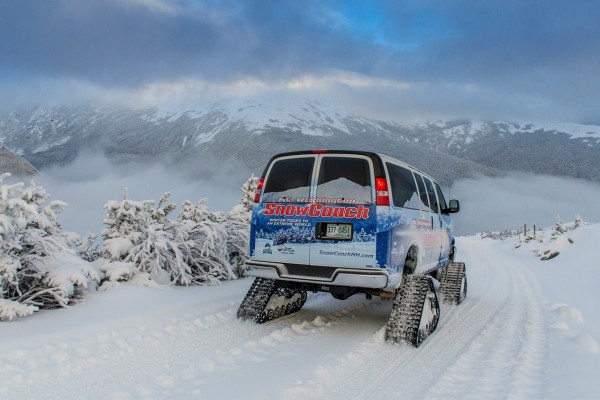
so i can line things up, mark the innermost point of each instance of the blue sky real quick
(535, 60)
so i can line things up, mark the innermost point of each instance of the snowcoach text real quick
(317, 210)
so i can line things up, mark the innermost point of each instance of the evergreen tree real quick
(248, 192)
(558, 228)
(578, 221)
(208, 252)
(38, 268)
(125, 222)
(237, 229)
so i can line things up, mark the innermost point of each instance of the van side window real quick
(431, 193)
(289, 180)
(344, 180)
(404, 188)
(441, 198)
(422, 193)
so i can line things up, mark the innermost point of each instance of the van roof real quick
(377, 159)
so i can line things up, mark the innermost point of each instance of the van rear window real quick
(289, 180)
(345, 180)
(404, 189)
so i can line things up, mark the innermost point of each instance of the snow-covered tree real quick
(125, 222)
(248, 191)
(558, 228)
(193, 248)
(140, 233)
(208, 257)
(578, 221)
(88, 247)
(195, 212)
(164, 247)
(237, 228)
(38, 268)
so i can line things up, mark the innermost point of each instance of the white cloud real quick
(157, 6)
(364, 95)
(191, 91)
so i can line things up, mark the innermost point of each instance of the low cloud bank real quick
(509, 202)
(91, 180)
(486, 203)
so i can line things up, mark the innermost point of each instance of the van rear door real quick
(317, 209)
(281, 230)
(344, 220)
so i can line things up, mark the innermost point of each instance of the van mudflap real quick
(265, 301)
(415, 311)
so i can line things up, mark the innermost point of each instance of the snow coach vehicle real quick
(348, 222)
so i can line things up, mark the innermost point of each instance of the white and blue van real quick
(348, 222)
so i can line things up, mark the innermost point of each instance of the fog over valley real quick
(487, 203)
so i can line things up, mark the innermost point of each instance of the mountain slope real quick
(250, 133)
(15, 165)
(558, 149)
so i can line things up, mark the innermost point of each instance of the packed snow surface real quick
(529, 329)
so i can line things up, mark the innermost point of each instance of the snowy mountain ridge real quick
(252, 131)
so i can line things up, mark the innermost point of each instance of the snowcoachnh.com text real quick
(345, 254)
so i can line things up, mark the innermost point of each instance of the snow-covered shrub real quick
(559, 228)
(197, 247)
(237, 226)
(10, 309)
(248, 192)
(125, 222)
(118, 271)
(553, 240)
(560, 238)
(208, 255)
(88, 247)
(556, 246)
(191, 249)
(578, 221)
(38, 268)
(508, 233)
(141, 234)
(164, 247)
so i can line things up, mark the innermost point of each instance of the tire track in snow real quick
(491, 346)
(181, 355)
(506, 360)
(329, 349)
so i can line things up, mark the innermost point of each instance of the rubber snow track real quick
(492, 346)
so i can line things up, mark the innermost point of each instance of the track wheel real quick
(453, 283)
(415, 311)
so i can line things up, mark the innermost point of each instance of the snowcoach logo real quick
(267, 249)
(317, 210)
(286, 249)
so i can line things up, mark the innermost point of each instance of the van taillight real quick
(381, 192)
(259, 187)
(320, 151)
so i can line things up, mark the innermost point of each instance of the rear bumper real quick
(373, 278)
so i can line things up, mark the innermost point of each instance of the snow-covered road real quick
(154, 343)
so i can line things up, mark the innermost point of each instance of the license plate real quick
(332, 231)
